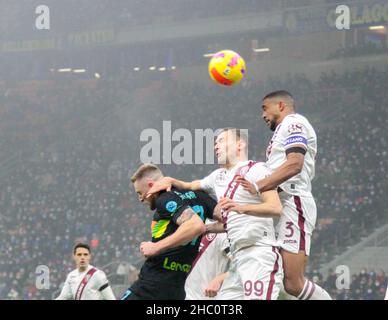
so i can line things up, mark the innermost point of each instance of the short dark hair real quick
(279, 94)
(81, 245)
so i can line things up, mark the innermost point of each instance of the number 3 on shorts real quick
(291, 230)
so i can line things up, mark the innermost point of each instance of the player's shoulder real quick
(258, 165)
(100, 273)
(73, 274)
(216, 172)
(167, 201)
(295, 118)
(295, 123)
(258, 168)
(97, 271)
(163, 196)
(174, 194)
(187, 195)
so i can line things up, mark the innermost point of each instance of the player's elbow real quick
(296, 167)
(277, 210)
(295, 163)
(202, 229)
(274, 210)
(198, 228)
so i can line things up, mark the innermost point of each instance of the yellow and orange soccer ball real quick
(227, 67)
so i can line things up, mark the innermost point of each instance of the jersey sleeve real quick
(170, 206)
(103, 286)
(66, 291)
(210, 203)
(294, 135)
(207, 184)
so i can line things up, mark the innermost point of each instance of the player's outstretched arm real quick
(215, 285)
(166, 183)
(215, 227)
(218, 226)
(269, 207)
(190, 227)
(287, 170)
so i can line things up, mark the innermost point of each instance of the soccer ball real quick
(227, 67)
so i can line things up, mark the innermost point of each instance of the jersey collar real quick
(86, 270)
(238, 165)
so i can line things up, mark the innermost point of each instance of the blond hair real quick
(147, 170)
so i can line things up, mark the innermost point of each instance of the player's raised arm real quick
(288, 169)
(190, 227)
(218, 226)
(269, 207)
(166, 183)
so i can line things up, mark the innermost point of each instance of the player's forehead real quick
(220, 136)
(81, 251)
(268, 102)
(223, 136)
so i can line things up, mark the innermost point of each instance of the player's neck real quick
(285, 114)
(231, 164)
(83, 269)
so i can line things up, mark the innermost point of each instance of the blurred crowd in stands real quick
(378, 47)
(364, 285)
(67, 147)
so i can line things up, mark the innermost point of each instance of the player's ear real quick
(150, 184)
(282, 105)
(242, 144)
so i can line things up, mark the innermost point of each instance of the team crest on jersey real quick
(210, 236)
(171, 206)
(295, 128)
(220, 177)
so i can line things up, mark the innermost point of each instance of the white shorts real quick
(296, 223)
(256, 273)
